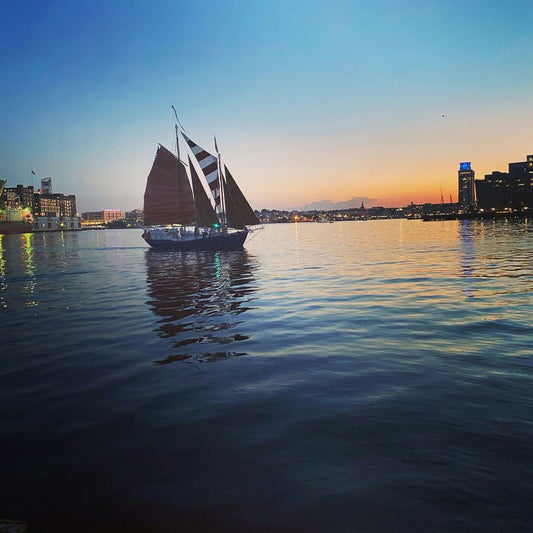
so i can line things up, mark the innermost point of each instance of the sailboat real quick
(179, 214)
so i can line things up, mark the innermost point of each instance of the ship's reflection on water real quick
(199, 299)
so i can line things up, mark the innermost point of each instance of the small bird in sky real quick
(442, 115)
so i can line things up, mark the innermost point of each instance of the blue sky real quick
(309, 100)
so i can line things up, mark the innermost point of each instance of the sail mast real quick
(176, 129)
(221, 185)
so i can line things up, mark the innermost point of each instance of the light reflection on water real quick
(365, 376)
(3, 285)
(198, 299)
(17, 260)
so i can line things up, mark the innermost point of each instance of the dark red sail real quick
(238, 211)
(168, 197)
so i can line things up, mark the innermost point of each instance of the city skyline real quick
(310, 102)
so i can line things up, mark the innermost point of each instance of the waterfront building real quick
(55, 223)
(113, 214)
(48, 204)
(507, 190)
(54, 212)
(466, 175)
(96, 218)
(58, 205)
(18, 196)
(51, 212)
(135, 216)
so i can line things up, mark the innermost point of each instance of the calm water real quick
(361, 377)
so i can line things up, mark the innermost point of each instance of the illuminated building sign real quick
(465, 166)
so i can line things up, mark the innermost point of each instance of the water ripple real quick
(363, 376)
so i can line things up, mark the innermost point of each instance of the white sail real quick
(209, 165)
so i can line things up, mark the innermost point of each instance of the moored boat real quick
(17, 227)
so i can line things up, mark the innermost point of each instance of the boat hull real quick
(15, 227)
(227, 241)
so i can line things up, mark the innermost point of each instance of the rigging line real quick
(177, 119)
(255, 232)
(177, 130)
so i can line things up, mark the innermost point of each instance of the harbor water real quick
(368, 376)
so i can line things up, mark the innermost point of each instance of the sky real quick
(339, 101)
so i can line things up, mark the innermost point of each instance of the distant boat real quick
(179, 214)
(324, 220)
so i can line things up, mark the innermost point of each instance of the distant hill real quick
(328, 205)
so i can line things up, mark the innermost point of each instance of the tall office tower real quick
(466, 185)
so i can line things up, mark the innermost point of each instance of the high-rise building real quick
(466, 185)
